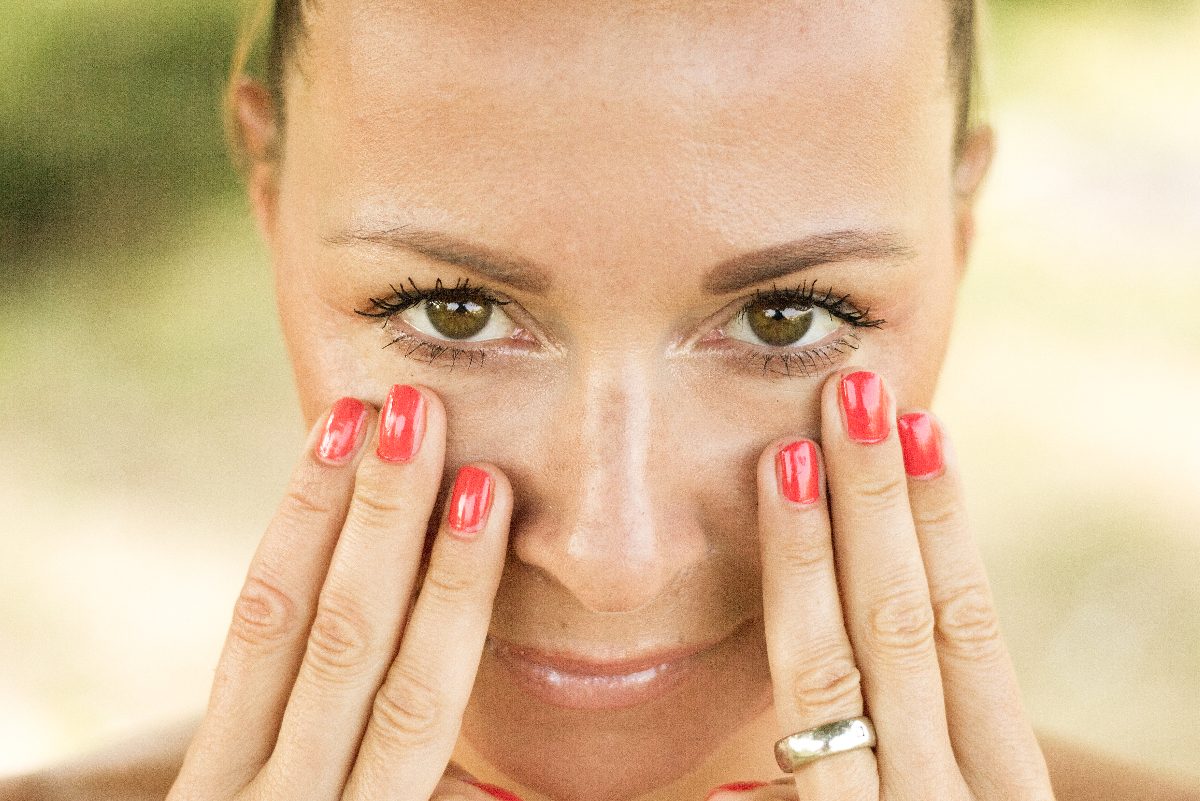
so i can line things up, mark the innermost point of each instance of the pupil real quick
(779, 325)
(457, 319)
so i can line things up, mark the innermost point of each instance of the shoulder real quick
(142, 768)
(1079, 773)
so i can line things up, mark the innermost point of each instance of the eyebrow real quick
(730, 275)
(748, 269)
(502, 267)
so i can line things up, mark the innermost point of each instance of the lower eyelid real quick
(805, 362)
(448, 353)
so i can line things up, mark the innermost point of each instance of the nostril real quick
(597, 571)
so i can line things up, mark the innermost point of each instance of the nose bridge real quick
(615, 509)
(610, 542)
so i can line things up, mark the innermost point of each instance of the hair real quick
(286, 19)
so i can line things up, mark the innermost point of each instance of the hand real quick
(334, 683)
(877, 601)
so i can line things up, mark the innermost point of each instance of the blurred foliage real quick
(109, 120)
(144, 425)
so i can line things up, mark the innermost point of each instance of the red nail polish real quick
(401, 424)
(734, 787)
(796, 470)
(496, 792)
(342, 427)
(864, 407)
(470, 500)
(921, 443)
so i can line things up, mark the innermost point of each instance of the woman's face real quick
(627, 177)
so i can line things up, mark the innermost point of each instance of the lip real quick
(576, 681)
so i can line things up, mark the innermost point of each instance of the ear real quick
(969, 174)
(255, 132)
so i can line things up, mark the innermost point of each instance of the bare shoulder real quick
(1079, 773)
(142, 768)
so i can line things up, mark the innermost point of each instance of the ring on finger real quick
(806, 746)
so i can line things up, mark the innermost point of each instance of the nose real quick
(615, 529)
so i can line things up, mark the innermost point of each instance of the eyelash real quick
(402, 300)
(806, 362)
(794, 362)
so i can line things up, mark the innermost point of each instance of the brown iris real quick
(458, 319)
(777, 323)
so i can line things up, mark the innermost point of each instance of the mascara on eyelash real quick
(402, 299)
(806, 362)
(806, 294)
(434, 351)
(808, 359)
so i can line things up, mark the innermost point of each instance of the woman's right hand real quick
(337, 680)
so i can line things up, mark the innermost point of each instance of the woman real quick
(615, 326)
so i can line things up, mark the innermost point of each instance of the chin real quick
(641, 729)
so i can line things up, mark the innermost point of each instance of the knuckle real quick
(263, 616)
(407, 709)
(302, 502)
(967, 622)
(447, 583)
(376, 507)
(939, 520)
(900, 623)
(828, 688)
(804, 551)
(876, 493)
(339, 644)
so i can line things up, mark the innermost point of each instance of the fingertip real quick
(794, 472)
(734, 787)
(341, 434)
(495, 792)
(922, 445)
(480, 500)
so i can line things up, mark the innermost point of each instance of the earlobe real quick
(969, 174)
(254, 131)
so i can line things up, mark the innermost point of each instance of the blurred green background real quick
(148, 418)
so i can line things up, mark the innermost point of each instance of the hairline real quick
(287, 31)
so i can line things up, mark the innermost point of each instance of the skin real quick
(612, 156)
(627, 150)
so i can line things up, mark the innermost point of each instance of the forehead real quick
(743, 119)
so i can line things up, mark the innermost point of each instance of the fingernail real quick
(470, 499)
(496, 792)
(864, 407)
(921, 443)
(733, 787)
(401, 424)
(796, 470)
(339, 440)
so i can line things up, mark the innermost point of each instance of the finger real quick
(363, 601)
(779, 790)
(884, 589)
(266, 639)
(993, 740)
(812, 664)
(460, 789)
(418, 711)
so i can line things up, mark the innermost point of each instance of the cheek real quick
(911, 356)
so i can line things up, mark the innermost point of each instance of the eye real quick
(782, 323)
(461, 320)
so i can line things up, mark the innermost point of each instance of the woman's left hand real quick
(876, 603)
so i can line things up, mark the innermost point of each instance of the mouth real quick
(577, 681)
